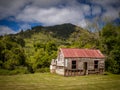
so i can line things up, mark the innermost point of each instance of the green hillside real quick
(32, 50)
(44, 42)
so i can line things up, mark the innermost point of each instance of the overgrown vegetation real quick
(32, 50)
(110, 40)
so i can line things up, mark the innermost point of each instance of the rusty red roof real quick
(88, 53)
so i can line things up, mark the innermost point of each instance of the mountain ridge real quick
(62, 31)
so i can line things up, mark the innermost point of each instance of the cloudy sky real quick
(24, 14)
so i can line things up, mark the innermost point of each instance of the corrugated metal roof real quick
(88, 53)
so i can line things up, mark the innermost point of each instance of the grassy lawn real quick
(47, 81)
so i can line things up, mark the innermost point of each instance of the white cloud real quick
(11, 7)
(48, 12)
(105, 2)
(14, 7)
(86, 9)
(96, 10)
(53, 15)
(111, 13)
(111, 8)
(46, 3)
(6, 30)
(51, 12)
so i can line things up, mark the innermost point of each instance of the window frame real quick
(95, 64)
(74, 65)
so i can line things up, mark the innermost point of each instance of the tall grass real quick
(47, 81)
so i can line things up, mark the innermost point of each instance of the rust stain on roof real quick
(88, 53)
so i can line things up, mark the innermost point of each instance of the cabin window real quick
(74, 64)
(96, 64)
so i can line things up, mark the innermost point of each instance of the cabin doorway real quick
(85, 68)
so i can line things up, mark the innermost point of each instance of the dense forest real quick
(32, 50)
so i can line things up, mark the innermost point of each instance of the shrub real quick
(18, 70)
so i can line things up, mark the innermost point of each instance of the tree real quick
(110, 38)
(51, 46)
(11, 53)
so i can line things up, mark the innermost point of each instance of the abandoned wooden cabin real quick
(75, 62)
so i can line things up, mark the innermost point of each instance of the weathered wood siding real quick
(80, 70)
(91, 64)
(80, 65)
(101, 64)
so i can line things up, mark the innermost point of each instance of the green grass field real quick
(47, 81)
